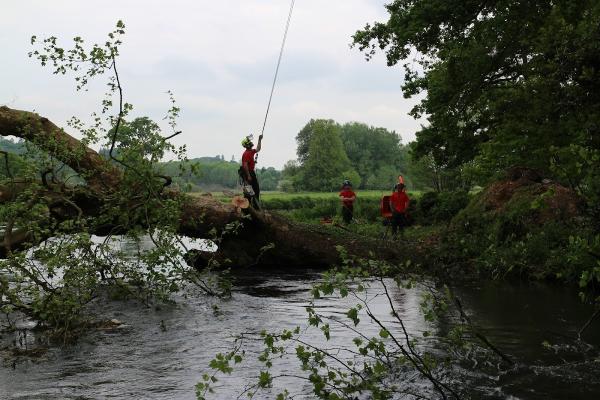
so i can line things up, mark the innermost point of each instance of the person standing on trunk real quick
(347, 196)
(247, 171)
(399, 204)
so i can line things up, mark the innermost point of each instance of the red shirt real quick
(347, 196)
(248, 157)
(399, 201)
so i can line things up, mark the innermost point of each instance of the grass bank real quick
(312, 207)
(429, 212)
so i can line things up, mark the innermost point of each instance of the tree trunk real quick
(261, 239)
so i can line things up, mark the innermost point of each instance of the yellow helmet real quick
(247, 141)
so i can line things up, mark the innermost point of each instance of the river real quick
(161, 353)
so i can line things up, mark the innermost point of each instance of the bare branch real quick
(172, 136)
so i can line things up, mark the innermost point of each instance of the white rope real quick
(287, 26)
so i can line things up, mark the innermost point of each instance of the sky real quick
(218, 58)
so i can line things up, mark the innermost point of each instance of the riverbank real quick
(522, 227)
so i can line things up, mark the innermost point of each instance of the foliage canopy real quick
(508, 82)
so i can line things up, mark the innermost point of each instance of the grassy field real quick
(426, 213)
(326, 195)
(312, 207)
(266, 196)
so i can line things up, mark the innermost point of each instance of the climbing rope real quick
(287, 27)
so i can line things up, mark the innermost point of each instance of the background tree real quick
(327, 164)
(303, 138)
(11, 146)
(214, 173)
(375, 153)
(290, 176)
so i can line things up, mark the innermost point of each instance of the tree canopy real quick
(507, 81)
(326, 164)
(376, 156)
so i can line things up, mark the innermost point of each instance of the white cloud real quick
(218, 58)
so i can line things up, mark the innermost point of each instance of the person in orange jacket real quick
(247, 171)
(399, 202)
(347, 196)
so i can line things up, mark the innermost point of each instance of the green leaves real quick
(325, 329)
(221, 363)
(282, 396)
(375, 155)
(353, 315)
(505, 82)
(264, 379)
(99, 58)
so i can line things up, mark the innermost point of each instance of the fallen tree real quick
(255, 238)
(68, 210)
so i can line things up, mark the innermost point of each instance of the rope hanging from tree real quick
(287, 27)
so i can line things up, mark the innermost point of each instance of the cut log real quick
(261, 238)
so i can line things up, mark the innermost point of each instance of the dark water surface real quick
(161, 354)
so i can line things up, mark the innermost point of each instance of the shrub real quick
(427, 202)
(448, 205)
(434, 207)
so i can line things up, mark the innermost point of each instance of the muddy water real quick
(162, 353)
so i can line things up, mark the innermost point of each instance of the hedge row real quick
(430, 208)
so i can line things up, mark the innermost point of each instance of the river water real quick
(161, 353)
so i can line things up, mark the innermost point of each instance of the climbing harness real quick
(287, 27)
(247, 190)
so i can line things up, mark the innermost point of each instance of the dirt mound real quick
(526, 190)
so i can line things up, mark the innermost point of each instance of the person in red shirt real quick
(347, 196)
(399, 204)
(247, 171)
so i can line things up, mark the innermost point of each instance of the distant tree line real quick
(214, 173)
(370, 157)
(208, 173)
(328, 153)
(11, 146)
